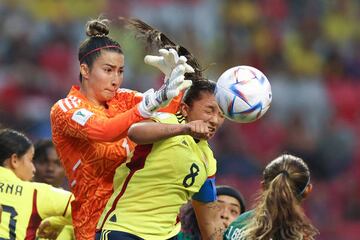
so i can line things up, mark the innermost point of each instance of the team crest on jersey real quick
(81, 116)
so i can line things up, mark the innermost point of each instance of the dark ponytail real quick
(155, 40)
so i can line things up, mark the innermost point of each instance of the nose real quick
(50, 167)
(223, 215)
(33, 169)
(214, 120)
(116, 79)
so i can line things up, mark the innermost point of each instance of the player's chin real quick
(108, 95)
(225, 225)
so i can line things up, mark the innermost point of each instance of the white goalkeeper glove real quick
(153, 100)
(168, 60)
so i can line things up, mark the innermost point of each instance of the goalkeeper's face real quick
(205, 108)
(105, 76)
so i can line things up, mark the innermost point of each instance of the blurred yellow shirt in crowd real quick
(61, 10)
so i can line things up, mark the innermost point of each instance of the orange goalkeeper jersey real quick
(91, 142)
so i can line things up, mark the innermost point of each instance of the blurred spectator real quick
(47, 163)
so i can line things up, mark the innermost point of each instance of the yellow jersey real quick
(150, 188)
(25, 204)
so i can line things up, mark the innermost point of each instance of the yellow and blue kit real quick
(26, 204)
(150, 188)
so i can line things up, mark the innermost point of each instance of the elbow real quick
(134, 134)
(131, 134)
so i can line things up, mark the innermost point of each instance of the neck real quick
(90, 96)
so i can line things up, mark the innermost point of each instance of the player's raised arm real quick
(147, 132)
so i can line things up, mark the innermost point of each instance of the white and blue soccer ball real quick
(243, 94)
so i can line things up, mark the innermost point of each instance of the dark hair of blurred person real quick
(16, 153)
(278, 213)
(47, 163)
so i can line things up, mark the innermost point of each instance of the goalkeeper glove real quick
(153, 100)
(168, 60)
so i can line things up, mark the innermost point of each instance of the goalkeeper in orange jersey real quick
(25, 204)
(89, 126)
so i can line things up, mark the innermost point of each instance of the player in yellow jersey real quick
(25, 203)
(172, 164)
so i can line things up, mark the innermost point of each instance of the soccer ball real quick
(243, 94)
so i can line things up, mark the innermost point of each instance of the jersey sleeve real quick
(164, 117)
(127, 97)
(54, 202)
(81, 122)
(207, 192)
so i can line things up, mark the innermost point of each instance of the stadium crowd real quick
(310, 51)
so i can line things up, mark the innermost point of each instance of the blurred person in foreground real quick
(230, 204)
(89, 126)
(278, 214)
(49, 170)
(25, 204)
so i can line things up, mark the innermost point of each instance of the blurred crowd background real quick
(310, 51)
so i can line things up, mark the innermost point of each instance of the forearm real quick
(206, 213)
(112, 129)
(149, 132)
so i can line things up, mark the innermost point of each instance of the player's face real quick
(207, 109)
(25, 169)
(229, 210)
(50, 170)
(105, 76)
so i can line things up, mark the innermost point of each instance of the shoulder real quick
(65, 105)
(48, 189)
(236, 228)
(164, 117)
(124, 92)
(243, 218)
(71, 107)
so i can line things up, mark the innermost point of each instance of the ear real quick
(84, 70)
(184, 109)
(308, 190)
(13, 162)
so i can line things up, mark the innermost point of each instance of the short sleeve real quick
(53, 201)
(163, 117)
(207, 192)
